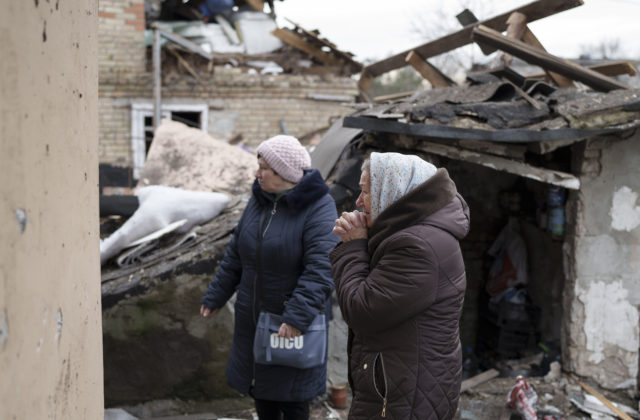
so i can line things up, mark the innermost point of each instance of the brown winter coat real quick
(401, 293)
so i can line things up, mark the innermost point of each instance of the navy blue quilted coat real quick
(296, 279)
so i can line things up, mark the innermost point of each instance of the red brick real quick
(135, 10)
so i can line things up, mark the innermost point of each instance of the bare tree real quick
(606, 49)
(437, 23)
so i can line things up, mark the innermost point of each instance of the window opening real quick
(192, 115)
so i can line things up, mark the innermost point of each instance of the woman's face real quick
(270, 181)
(364, 199)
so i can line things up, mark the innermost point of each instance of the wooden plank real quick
(393, 96)
(532, 55)
(478, 379)
(608, 69)
(546, 176)
(466, 18)
(605, 401)
(512, 151)
(364, 84)
(529, 38)
(516, 26)
(534, 11)
(517, 29)
(182, 41)
(427, 71)
(293, 39)
(532, 101)
(184, 63)
(348, 57)
(329, 98)
(257, 5)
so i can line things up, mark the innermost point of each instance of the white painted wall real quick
(604, 285)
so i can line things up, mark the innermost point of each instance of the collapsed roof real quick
(223, 33)
(496, 116)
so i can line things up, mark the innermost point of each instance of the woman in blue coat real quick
(287, 259)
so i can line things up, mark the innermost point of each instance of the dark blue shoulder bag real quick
(302, 352)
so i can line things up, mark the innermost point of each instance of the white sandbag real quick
(117, 414)
(159, 207)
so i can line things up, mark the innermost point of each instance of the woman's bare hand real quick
(287, 331)
(206, 312)
(350, 226)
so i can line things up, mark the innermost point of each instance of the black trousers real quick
(275, 410)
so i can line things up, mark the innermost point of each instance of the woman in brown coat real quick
(400, 282)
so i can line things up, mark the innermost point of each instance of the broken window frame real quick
(141, 110)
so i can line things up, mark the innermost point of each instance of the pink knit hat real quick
(286, 156)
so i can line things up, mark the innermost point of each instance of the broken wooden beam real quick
(605, 401)
(345, 56)
(428, 71)
(192, 46)
(523, 33)
(534, 11)
(516, 26)
(532, 55)
(616, 68)
(291, 38)
(478, 379)
(466, 18)
(532, 101)
(393, 96)
(548, 176)
(184, 63)
(512, 151)
(257, 5)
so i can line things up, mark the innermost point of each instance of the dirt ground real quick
(486, 401)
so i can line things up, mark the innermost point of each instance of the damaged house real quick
(234, 75)
(547, 162)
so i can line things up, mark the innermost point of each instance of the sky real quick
(376, 29)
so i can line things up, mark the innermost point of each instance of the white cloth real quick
(159, 207)
(393, 175)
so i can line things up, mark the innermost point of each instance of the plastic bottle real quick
(555, 212)
(523, 398)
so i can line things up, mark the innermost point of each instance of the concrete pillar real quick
(50, 315)
(602, 292)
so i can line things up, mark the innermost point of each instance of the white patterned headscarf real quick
(393, 175)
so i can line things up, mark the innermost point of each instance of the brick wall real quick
(238, 102)
(121, 51)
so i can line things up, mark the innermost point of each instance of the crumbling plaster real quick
(50, 341)
(603, 288)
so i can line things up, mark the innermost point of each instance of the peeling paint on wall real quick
(21, 217)
(610, 320)
(625, 214)
(59, 325)
(4, 328)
